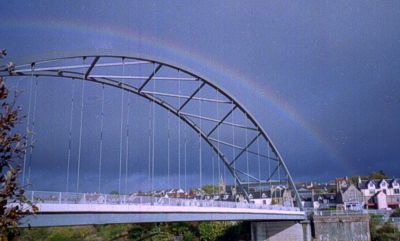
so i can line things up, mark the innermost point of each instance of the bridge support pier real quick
(281, 230)
(342, 227)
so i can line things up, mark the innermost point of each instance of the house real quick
(287, 198)
(176, 193)
(351, 197)
(341, 183)
(260, 198)
(380, 200)
(389, 187)
(221, 186)
(325, 200)
(306, 197)
(278, 196)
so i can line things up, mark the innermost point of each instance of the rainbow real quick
(146, 42)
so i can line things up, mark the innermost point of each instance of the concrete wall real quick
(349, 228)
(279, 231)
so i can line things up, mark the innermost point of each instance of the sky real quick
(321, 77)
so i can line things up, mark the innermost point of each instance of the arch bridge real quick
(238, 143)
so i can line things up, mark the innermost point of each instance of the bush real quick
(210, 231)
(238, 231)
(188, 236)
(135, 233)
(387, 232)
(396, 213)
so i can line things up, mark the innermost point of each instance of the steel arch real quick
(47, 68)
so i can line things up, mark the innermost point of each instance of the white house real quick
(380, 199)
(260, 198)
(389, 187)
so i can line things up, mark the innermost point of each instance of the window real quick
(396, 191)
(384, 191)
(371, 192)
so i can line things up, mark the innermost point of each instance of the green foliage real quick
(378, 175)
(188, 236)
(179, 228)
(382, 232)
(332, 190)
(58, 234)
(12, 148)
(274, 201)
(210, 189)
(186, 231)
(396, 213)
(237, 231)
(319, 191)
(374, 175)
(59, 237)
(353, 180)
(114, 193)
(135, 233)
(387, 232)
(210, 231)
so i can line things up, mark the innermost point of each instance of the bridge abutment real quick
(281, 230)
(351, 228)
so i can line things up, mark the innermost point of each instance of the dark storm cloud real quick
(335, 63)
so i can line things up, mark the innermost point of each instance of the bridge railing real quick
(339, 212)
(115, 199)
(350, 212)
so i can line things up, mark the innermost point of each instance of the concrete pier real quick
(342, 227)
(279, 231)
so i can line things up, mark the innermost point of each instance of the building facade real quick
(381, 194)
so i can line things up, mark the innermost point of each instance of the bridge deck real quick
(61, 209)
(82, 214)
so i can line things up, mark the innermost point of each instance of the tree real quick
(135, 233)
(210, 189)
(13, 204)
(354, 180)
(396, 213)
(210, 231)
(114, 193)
(378, 175)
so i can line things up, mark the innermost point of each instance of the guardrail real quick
(349, 212)
(382, 219)
(394, 220)
(339, 212)
(115, 199)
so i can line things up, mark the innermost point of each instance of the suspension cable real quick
(213, 174)
(247, 156)
(127, 146)
(153, 137)
(149, 145)
(33, 129)
(259, 165)
(80, 136)
(218, 146)
(101, 135)
(168, 147)
(179, 134)
(70, 134)
(185, 154)
(121, 126)
(279, 173)
(233, 148)
(27, 123)
(200, 150)
(269, 167)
